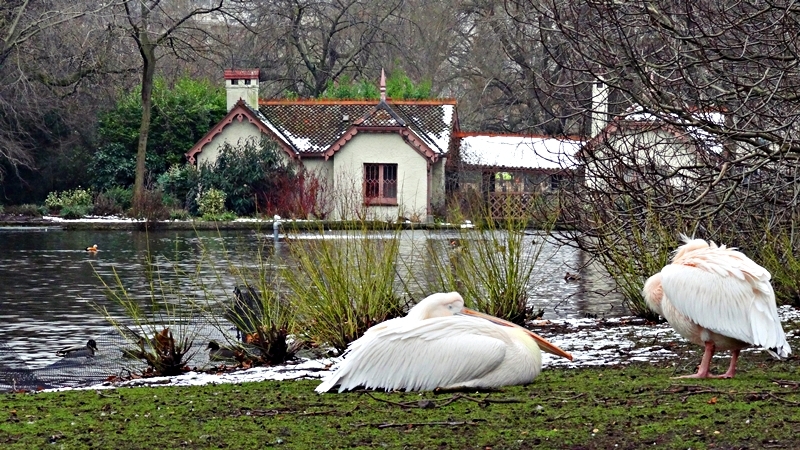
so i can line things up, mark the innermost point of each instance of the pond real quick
(49, 282)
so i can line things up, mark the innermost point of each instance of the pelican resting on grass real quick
(718, 298)
(441, 344)
(78, 351)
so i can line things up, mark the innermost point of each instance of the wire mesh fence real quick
(114, 359)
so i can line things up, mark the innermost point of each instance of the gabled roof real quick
(313, 127)
(309, 128)
(637, 120)
(518, 151)
(239, 112)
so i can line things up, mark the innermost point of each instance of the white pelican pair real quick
(718, 298)
(440, 344)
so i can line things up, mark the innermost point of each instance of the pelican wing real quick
(727, 293)
(420, 355)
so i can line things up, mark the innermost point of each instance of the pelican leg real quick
(732, 367)
(703, 370)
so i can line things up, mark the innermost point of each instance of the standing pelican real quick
(718, 298)
(441, 344)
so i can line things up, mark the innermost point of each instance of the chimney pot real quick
(242, 84)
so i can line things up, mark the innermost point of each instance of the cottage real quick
(379, 159)
(511, 170)
(640, 148)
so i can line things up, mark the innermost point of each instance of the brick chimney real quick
(242, 84)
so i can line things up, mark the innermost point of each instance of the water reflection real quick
(49, 282)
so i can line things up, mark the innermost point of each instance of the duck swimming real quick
(78, 351)
(92, 249)
(572, 277)
(217, 353)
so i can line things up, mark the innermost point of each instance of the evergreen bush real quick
(77, 197)
(247, 173)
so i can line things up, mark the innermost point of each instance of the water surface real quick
(49, 282)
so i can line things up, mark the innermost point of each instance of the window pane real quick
(390, 181)
(371, 180)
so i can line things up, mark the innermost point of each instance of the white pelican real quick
(441, 344)
(718, 298)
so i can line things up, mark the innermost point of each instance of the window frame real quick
(381, 199)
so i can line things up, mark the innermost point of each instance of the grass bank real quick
(618, 407)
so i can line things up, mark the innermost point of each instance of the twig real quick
(428, 404)
(400, 404)
(419, 424)
(787, 382)
(691, 390)
(480, 400)
(782, 399)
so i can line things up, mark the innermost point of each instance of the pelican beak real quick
(543, 343)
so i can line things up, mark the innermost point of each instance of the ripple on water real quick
(50, 282)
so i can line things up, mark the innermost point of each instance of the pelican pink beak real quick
(543, 343)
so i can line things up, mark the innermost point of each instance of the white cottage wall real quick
(380, 148)
(658, 149)
(235, 133)
(438, 183)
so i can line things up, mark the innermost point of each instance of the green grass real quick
(627, 407)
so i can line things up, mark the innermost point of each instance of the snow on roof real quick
(519, 151)
(441, 138)
(697, 134)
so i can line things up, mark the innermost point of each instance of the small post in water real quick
(276, 223)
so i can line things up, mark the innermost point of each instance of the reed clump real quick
(160, 329)
(342, 283)
(492, 264)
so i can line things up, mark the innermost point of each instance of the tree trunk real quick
(147, 50)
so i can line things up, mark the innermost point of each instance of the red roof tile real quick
(312, 126)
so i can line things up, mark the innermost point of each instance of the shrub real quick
(300, 196)
(245, 172)
(112, 165)
(121, 196)
(211, 203)
(27, 210)
(182, 113)
(777, 253)
(178, 182)
(105, 206)
(398, 86)
(73, 212)
(151, 206)
(72, 198)
(492, 266)
(261, 316)
(179, 214)
(160, 328)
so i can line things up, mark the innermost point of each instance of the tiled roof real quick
(312, 126)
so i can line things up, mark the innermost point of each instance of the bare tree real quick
(160, 26)
(702, 131)
(34, 78)
(311, 43)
